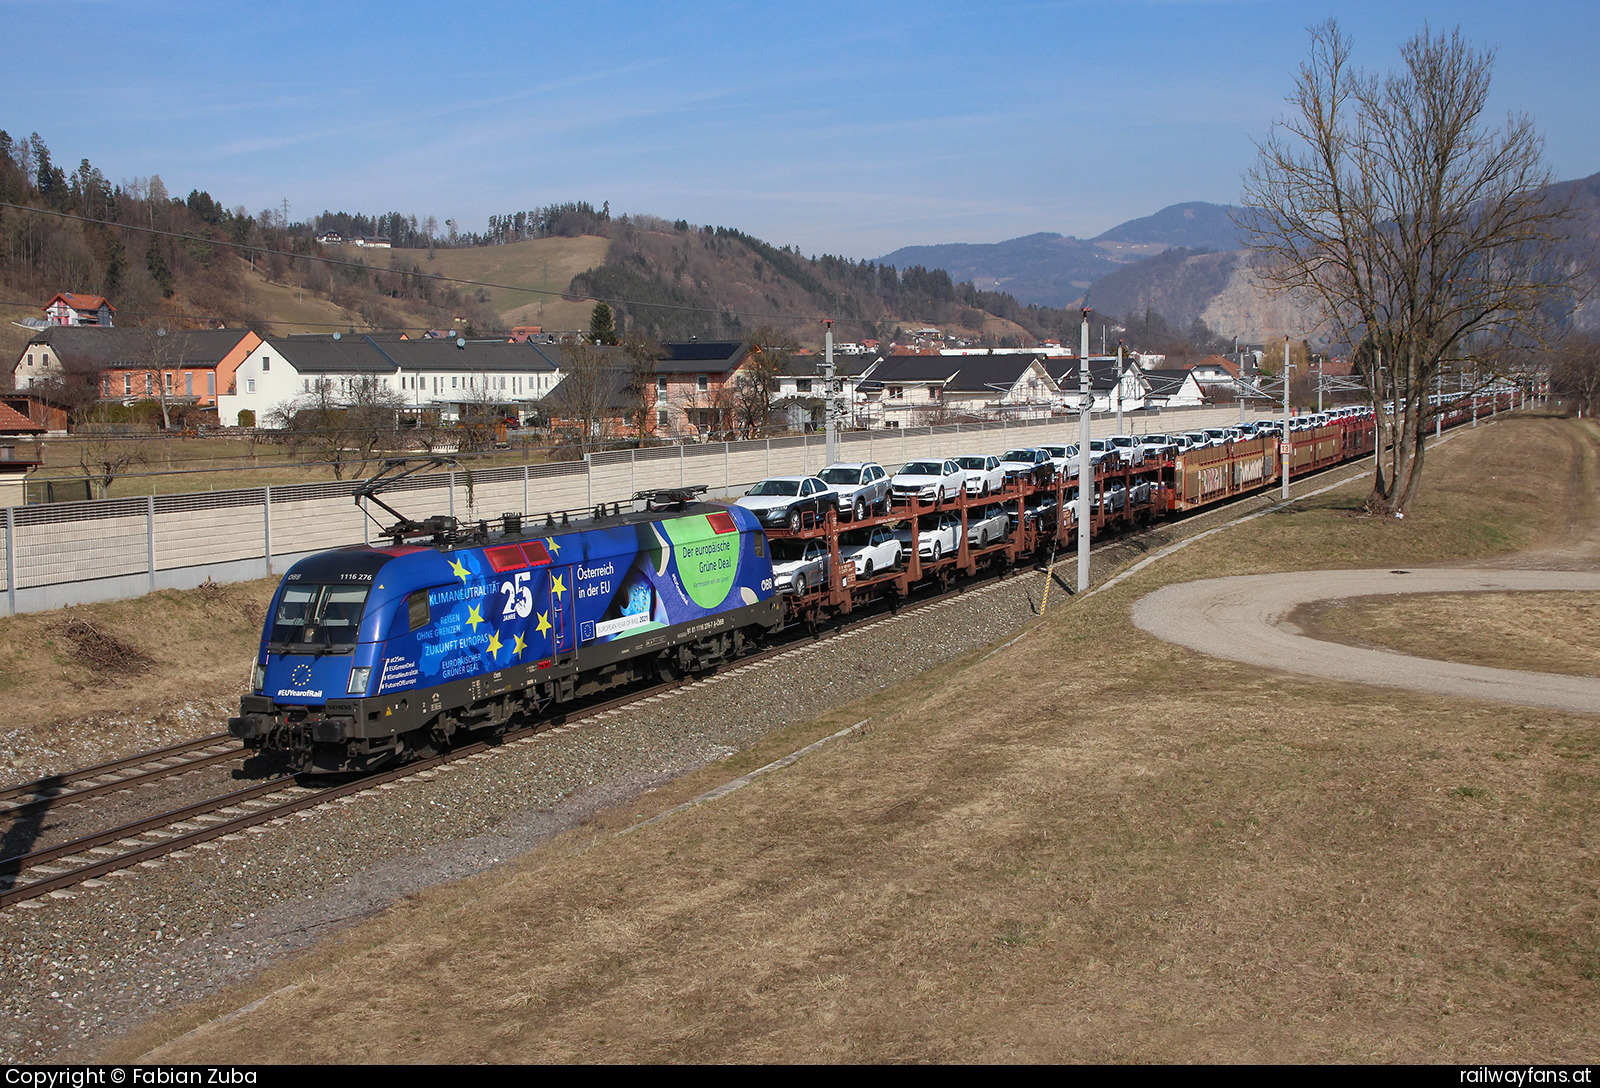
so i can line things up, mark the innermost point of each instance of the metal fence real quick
(76, 552)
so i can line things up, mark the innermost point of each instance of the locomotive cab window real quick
(315, 617)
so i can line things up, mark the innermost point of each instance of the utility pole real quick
(1320, 361)
(1085, 469)
(829, 443)
(1283, 445)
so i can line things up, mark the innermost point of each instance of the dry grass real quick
(90, 682)
(1539, 632)
(290, 310)
(1084, 847)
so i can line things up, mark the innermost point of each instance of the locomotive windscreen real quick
(312, 617)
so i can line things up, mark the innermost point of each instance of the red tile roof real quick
(81, 302)
(14, 422)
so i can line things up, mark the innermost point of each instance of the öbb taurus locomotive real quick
(374, 653)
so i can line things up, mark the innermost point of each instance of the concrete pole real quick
(1119, 382)
(829, 442)
(1283, 446)
(1085, 470)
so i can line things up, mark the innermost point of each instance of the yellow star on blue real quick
(557, 587)
(495, 645)
(474, 617)
(520, 645)
(544, 622)
(458, 570)
(550, 542)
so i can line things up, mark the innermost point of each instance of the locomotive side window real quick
(417, 607)
(761, 543)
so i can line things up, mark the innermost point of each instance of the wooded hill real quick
(213, 265)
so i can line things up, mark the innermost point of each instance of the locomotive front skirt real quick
(370, 653)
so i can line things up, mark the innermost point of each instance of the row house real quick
(449, 377)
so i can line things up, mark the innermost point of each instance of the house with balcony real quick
(69, 308)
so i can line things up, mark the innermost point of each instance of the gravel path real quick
(1245, 619)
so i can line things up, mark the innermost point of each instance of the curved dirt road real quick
(1245, 619)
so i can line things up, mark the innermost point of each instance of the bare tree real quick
(104, 452)
(771, 355)
(584, 396)
(1416, 229)
(161, 354)
(1575, 372)
(342, 422)
(639, 357)
(483, 412)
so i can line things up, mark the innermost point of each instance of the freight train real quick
(375, 654)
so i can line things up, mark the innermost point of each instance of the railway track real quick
(100, 853)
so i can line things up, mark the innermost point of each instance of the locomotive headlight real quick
(358, 680)
(258, 678)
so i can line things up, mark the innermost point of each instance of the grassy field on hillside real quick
(1082, 845)
(546, 264)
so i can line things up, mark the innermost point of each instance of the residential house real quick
(1173, 388)
(915, 390)
(1114, 385)
(695, 393)
(192, 366)
(68, 308)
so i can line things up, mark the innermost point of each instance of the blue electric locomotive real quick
(373, 653)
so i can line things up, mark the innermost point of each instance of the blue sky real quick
(850, 128)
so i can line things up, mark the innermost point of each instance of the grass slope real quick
(546, 264)
(1084, 845)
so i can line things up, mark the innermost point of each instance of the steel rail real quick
(55, 781)
(116, 785)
